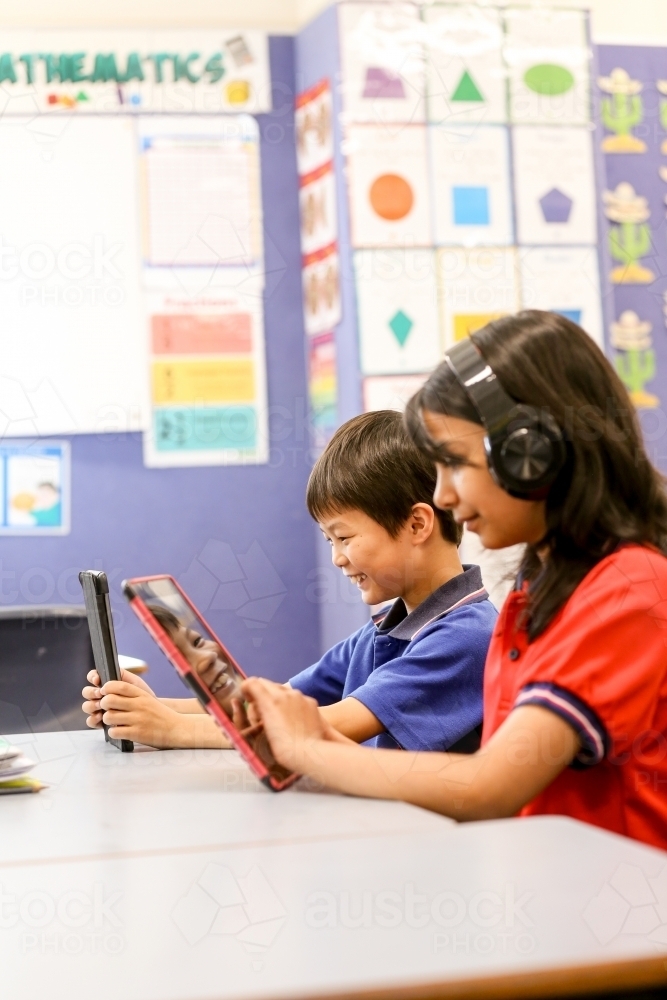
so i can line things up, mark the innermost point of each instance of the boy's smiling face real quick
(378, 564)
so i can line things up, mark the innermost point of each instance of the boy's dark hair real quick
(371, 465)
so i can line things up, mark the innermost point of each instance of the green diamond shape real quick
(400, 325)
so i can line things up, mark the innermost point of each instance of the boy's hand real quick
(93, 694)
(133, 713)
(292, 722)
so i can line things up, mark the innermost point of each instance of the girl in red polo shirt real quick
(536, 441)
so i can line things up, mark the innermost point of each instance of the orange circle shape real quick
(391, 197)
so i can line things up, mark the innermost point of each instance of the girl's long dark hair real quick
(607, 493)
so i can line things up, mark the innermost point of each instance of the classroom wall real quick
(317, 57)
(202, 524)
(643, 22)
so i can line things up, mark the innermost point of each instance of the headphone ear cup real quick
(527, 454)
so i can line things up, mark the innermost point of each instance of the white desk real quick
(176, 876)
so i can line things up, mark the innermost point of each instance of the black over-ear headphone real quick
(524, 446)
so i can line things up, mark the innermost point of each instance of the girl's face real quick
(465, 486)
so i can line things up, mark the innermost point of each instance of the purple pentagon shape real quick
(383, 83)
(556, 206)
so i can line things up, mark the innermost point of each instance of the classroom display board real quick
(632, 134)
(202, 273)
(131, 263)
(318, 209)
(471, 180)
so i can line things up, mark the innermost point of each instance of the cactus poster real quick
(631, 97)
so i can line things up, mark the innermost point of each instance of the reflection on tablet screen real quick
(203, 653)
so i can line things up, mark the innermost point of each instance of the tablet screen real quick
(207, 659)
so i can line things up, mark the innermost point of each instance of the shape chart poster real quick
(398, 311)
(548, 59)
(389, 186)
(471, 185)
(475, 287)
(35, 488)
(382, 63)
(554, 185)
(632, 135)
(207, 380)
(498, 183)
(564, 280)
(465, 70)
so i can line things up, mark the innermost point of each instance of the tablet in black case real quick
(98, 609)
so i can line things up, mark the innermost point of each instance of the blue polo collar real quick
(466, 588)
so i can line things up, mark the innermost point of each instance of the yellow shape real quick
(203, 381)
(467, 323)
(632, 274)
(623, 144)
(23, 501)
(238, 91)
(644, 400)
(663, 146)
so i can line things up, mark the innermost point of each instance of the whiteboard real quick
(72, 339)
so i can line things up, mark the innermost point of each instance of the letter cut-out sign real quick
(128, 72)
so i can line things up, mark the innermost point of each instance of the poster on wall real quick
(389, 186)
(398, 311)
(320, 262)
(207, 380)
(322, 387)
(465, 69)
(201, 205)
(313, 124)
(382, 55)
(321, 289)
(548, 58)
(132, 71)
(554, 185)
(475, 287)
(471, 185)
(632, 138)
(35, 488)
(564, 280)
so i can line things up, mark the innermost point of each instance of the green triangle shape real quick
(467, 89)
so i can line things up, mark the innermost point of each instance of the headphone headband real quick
(524, 447)
(481, 384)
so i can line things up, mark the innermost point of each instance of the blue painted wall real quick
(240, 538)
(317, 57)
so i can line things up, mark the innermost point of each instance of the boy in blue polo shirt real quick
(412, 677)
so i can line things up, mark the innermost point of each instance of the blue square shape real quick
(471, 206)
